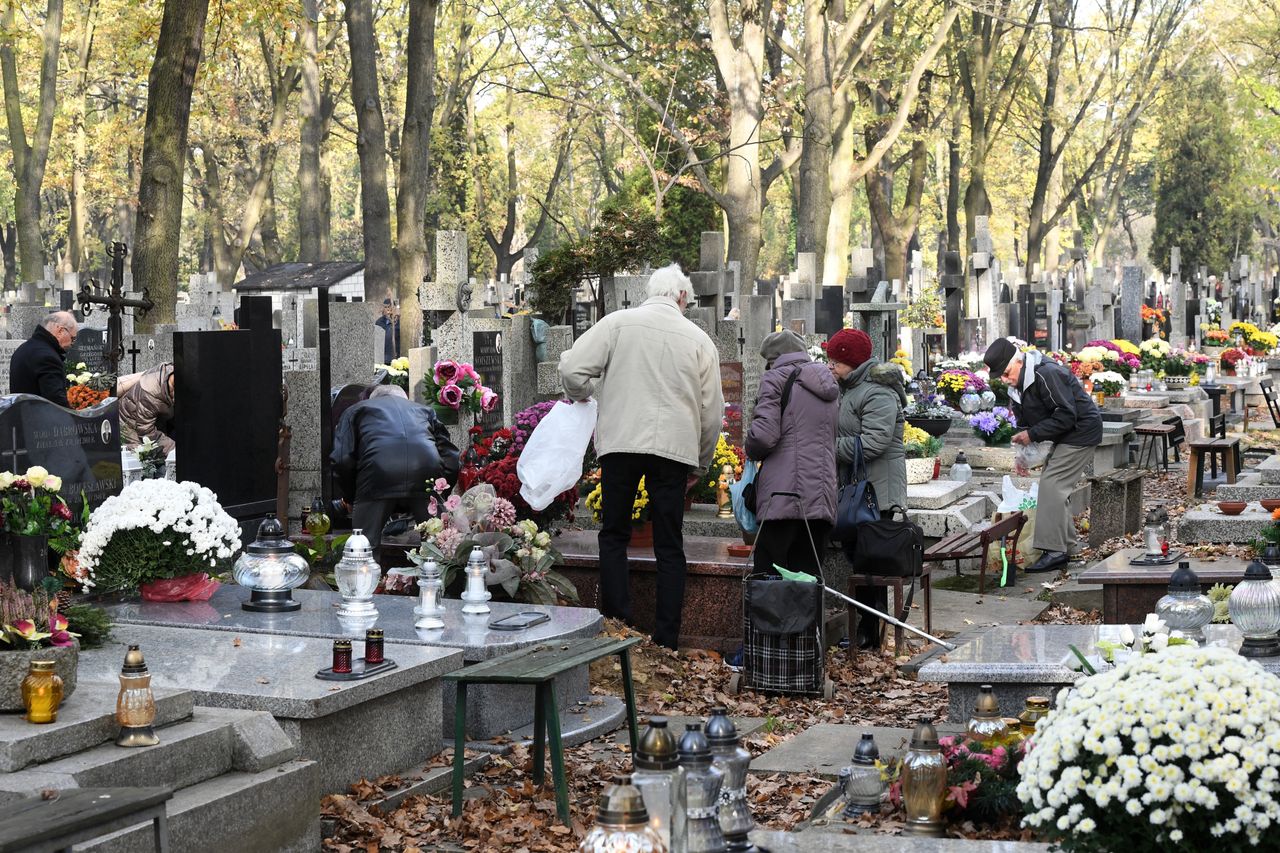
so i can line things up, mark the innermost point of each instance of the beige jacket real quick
(656, 377)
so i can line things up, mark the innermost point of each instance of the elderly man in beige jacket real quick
(656, 378)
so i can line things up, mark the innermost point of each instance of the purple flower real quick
(451, 396)
(446, 372)
(984, 421)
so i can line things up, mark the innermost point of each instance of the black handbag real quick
(889, 547)
(749, 490)
(856, 504)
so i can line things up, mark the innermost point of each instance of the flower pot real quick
(1212, 352)
(24, 560)
(936, 427)
(642, 535)
(445, 414)
(15, 664)
(919, 471)
(1177, 381)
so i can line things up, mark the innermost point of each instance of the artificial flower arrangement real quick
(155, 530)
(1212, 309)
(952, 384)
(454, 386)
(1153, 352)
(30, 620)
(818, 352)
(1214, 337)
(706, 491)
(1173, 750)
(1153, 636)
(933, 406)
(1156, 317)
(995, 427)
(520, 555)
(30, 505)
(918, 444)
(151, 457)
(639, 507)
(1232, 356)
(1108, 383)
(88, 389)
(397, 372)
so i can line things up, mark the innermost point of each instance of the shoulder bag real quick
(856, 504)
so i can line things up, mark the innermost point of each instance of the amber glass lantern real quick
(42, 692)
(924, 781)
(987, 726)
(136, 704)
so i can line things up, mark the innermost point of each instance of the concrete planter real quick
(14, 666)
(920, 470)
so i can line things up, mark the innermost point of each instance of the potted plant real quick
(1109, 384)
(155, 531)
(1214, 340)
(962, 389)
(88, 389)
(922, 454)
(453, 387)
(1231, 357)
(641, 524)
(32, 629)
(931, 415)
(36, 521)
(1153, 353)
(995, 427)
(706, 490)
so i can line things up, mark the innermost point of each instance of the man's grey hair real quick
(388, 391)
(669, 282)
(59, 318)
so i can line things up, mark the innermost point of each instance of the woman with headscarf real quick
(872, 399)
(795, 442)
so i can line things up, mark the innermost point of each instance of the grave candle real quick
(373, 646)
(136, 704)
(341, 655)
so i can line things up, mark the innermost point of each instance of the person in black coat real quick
(37, 366)
(385, 452)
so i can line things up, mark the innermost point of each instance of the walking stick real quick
(886, 617)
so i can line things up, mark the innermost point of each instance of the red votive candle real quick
(373, 646)
(341, 655)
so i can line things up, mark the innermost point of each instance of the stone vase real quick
(1177, 381)
(920, 470)
(14, 666)
(24, 560)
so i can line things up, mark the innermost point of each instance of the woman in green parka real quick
(872, 399)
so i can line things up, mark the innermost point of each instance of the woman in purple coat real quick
(795, 445)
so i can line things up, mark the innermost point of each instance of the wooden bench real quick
(1269, 395)
(1151, 435)
(977, 542)
(539, 665)
(37, 825)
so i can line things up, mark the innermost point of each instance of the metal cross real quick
(115, 302)
(13, 452)
(133, 351)
(742, 342)
(626, 303)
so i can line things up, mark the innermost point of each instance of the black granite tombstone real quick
(89, 347)
(82, 447)
(581, 319)
(830, 311)
(227, 418)
(486, 353)
(254, 312)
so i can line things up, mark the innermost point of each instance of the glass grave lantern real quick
(701, 783)
(430, 610)
(135, 704)
(728, 754)
(864, 785)
(655, 773)
(622, 822)
(987, 726)
(1155, 534)
(1255, 609)
(358, 574)
(924, 782)
(1185, 608)
(270, 569)
(476, 595)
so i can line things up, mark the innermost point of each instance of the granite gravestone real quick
(830, 311)
(731, 383)
(487, 360)
(254, 312)
(227, 419)
(581, 319)
(81, 447)
(89, 347)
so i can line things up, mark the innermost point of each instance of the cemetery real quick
(695, 428)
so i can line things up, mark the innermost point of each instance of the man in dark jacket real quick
(385, 452)
(37, 367)
(1052, 406)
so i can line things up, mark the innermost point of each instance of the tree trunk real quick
(1037, 227)
(813, 198)
(311, 224)
(164, 146)
(896, 230)
(371, 146)
(8, 250)
(30, 156)
(415, 149)
(835, 267)
(953, 189)
(80, 144)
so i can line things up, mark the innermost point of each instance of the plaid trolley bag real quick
(782, 633)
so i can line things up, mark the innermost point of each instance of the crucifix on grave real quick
(133, 356)
(115, 302)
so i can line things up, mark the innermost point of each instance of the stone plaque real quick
(731, 384)
(486, 352)
(581, 319)
(82, 447)
(90, 347)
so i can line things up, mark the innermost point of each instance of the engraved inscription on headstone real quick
(731, 384)
(89, 347)
(487, 355)
(581, 319)
(82, 448)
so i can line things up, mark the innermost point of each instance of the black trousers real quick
(785, 542)
(370, 516)
(665, 480)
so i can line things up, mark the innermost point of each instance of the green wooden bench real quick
(37, 825)
(539, 665)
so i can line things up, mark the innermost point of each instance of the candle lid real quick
(657, 748)
(1185, 580)
(720, 729)
(1257, 572)
(621, 805)
(133, 661)
(271, 539)
(357, 546)
(866, 752)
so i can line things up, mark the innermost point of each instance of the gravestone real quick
(486, 348)
(1131, 303)
(82, 447)
(90, 347)
(254, 312)
(581, 319)
(227, 415)
(731, 383)
(1177, 300)
(829, 312)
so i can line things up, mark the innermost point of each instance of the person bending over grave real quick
(385, 451)
(656, 377)
(1051, 405)
(146, 408)
(37, 366)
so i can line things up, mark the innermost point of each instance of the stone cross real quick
(115, 302)
(1177, 300)
(1131, 303)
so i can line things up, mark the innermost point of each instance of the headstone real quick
(711, 250)
(254, 312)
(581, 318)
(90, 347)
(1177, 300)
(486, 351)
(1131, 303)
(352, 353)
(731, 383)
(829, 312)
(82, 447)
(227, 415)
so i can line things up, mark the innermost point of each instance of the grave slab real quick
(1269, 470)
(353, 730)
(1142, 400)
(1249, 488)
(1207, 523)
(936, 494)
(838, 839)
(502, 708)
(1130, 592)
(826, 748)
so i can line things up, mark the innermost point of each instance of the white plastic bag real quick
(1033, 455)
(1014, 499)
(552, 459)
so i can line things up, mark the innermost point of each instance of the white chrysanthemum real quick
(185, 509)
(1185, 739)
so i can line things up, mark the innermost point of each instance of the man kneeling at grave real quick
(1052, 406)
(385, 451)
(146, 407)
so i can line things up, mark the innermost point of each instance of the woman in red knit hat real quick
(872, 398)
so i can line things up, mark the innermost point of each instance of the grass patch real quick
(959, 583)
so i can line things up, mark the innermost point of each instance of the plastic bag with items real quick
(552, 459)
(1013, 499)
(1031, 456)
